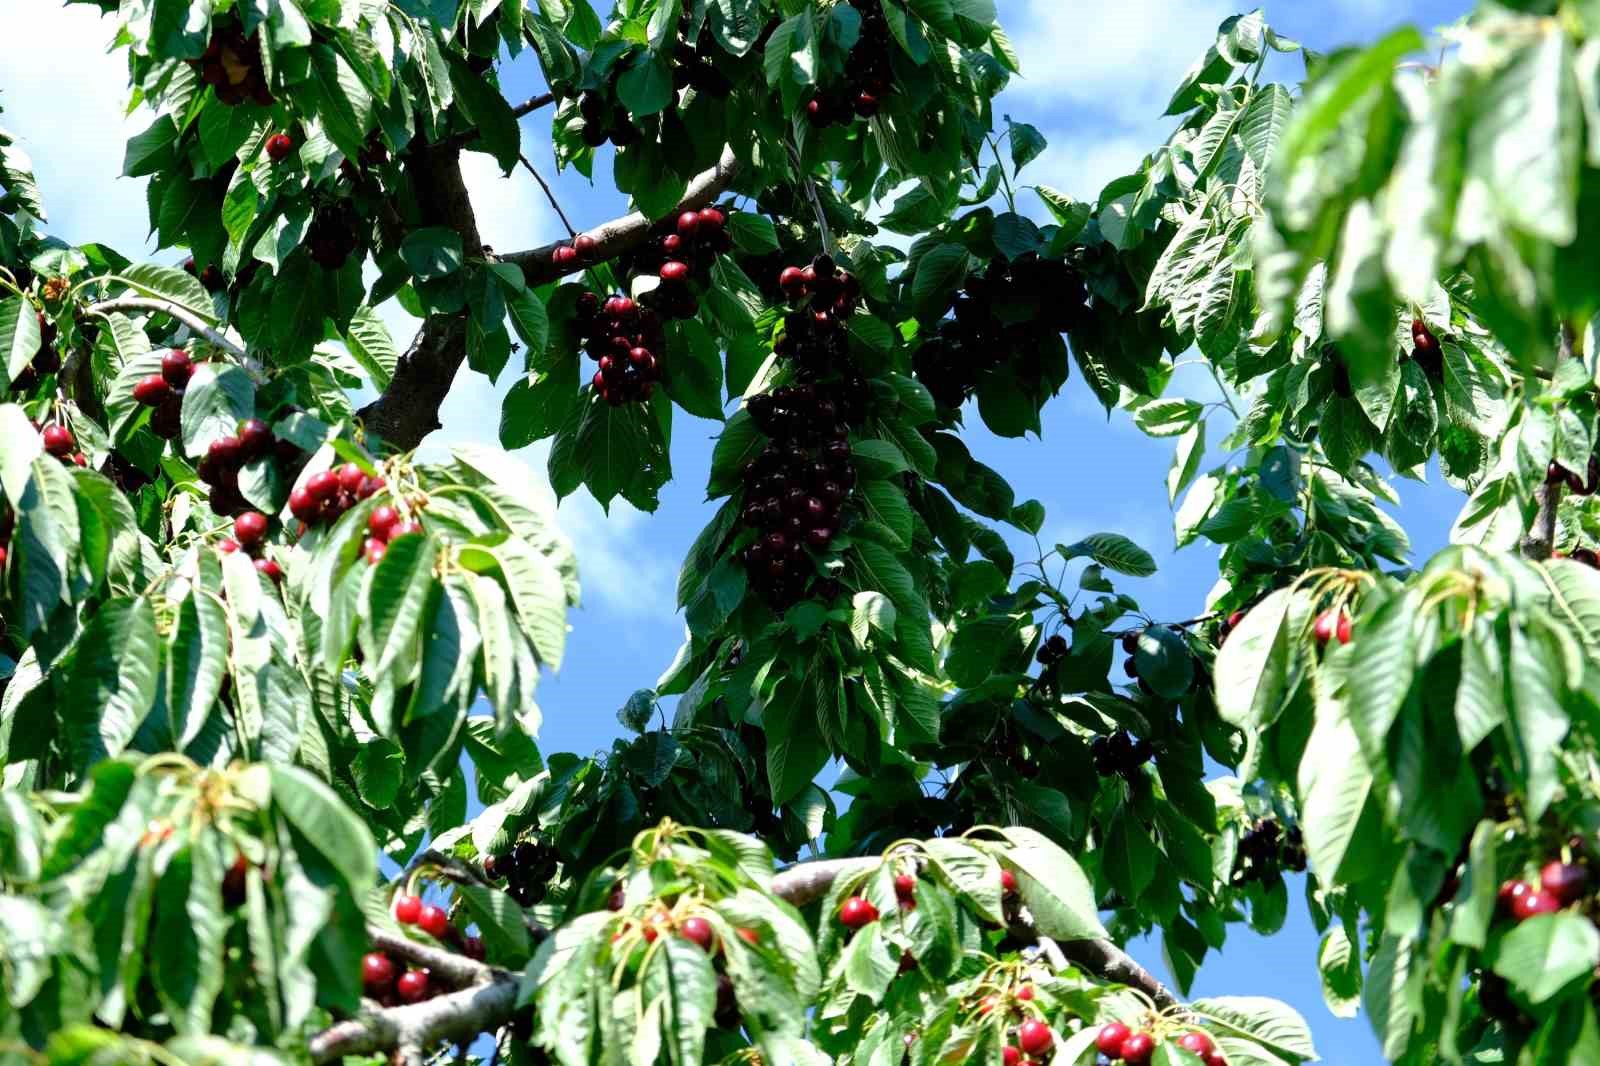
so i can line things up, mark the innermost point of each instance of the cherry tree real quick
(252, 641)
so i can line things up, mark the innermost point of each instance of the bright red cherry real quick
(404, 529)
(674, 271)
(1110, 1039)
(382, 520)
(225, 451)
(1566, 881)
(249, 528)
(407, 909)
(1216, 1058)
(749, 936)
(1025, 993)
(697, 930)
(350, 477)
(377, 971)
(374, 549)
(370, 487)
(1510, 892)
(790, 280)
(688, 223)
(413, 986)
(565, 256)
(279, 145)
(1330, 624)
(1138, 1048)
(586, 245)
(433, 921)
(227, 546)
(58, 440)
(856, 912)
(1534, 903)
(1035, 1037)
(302, 504)
(255, 438)
(177, 368)
(712, 218)
(1011, 1055)
(323, 485)
(1008, 882)
(270, 570)
(905, 887)
(151, 390)
(1197, 1042)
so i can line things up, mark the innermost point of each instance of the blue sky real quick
(1096, 78)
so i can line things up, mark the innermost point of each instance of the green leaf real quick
(394, 601)
(752, 233)
(978, 648)
(1270, 1023)
(1057, 893)
(487, 110)
(1164, 661)
(340, 99)
(111, 683)
(370, 344)
(432, 252)
(645, 87)
(20, 339)
(326, 824)
(940, 273)
(214, 404)
(1253, 668)
(680, 978)
(1114, 552)
(1340, 966)
(1027, 144)
(1545, 954)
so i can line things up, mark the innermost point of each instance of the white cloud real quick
(1081, 164)
(65, 101)
(1120, 61)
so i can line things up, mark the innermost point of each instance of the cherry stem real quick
(549, 195)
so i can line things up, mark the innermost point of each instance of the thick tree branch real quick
(1540, 540)
(491, 996)
(166, 307)
(631, 230)
(533, 104)
(415, 1027)
(408, 410)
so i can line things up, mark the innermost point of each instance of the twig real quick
(172, 310)
(1540, 540)
(808, 183)
(548, 194)
(533, 104)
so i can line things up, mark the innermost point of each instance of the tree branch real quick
(490, 998)
(408, 410)
(1540, 540)
(631, 230)
(172, 310)
(533, 104)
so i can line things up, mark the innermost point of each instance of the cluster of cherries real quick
(1332, 624)
(1585, 484)
(328, 494)
(857, 912)
(795, 488)
(1425, 350)
(1120, 754)
(527, 868)
(1560, 885)
(1266, 848)
(678, 251)
(60, 443)
(1117, 1042)
(332, 235)
(1052, 651)
(219, 467)
(868, 73)
(697, 930)
(231, 64)
(1003, 314)
(1228, 625)
(605, 121)
(381, 978)
(250, 536)
(211, 278)
(823, 297)
(163, 393)
(691, 65)
(45, 361)
(625, 339)
(1587, 556)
